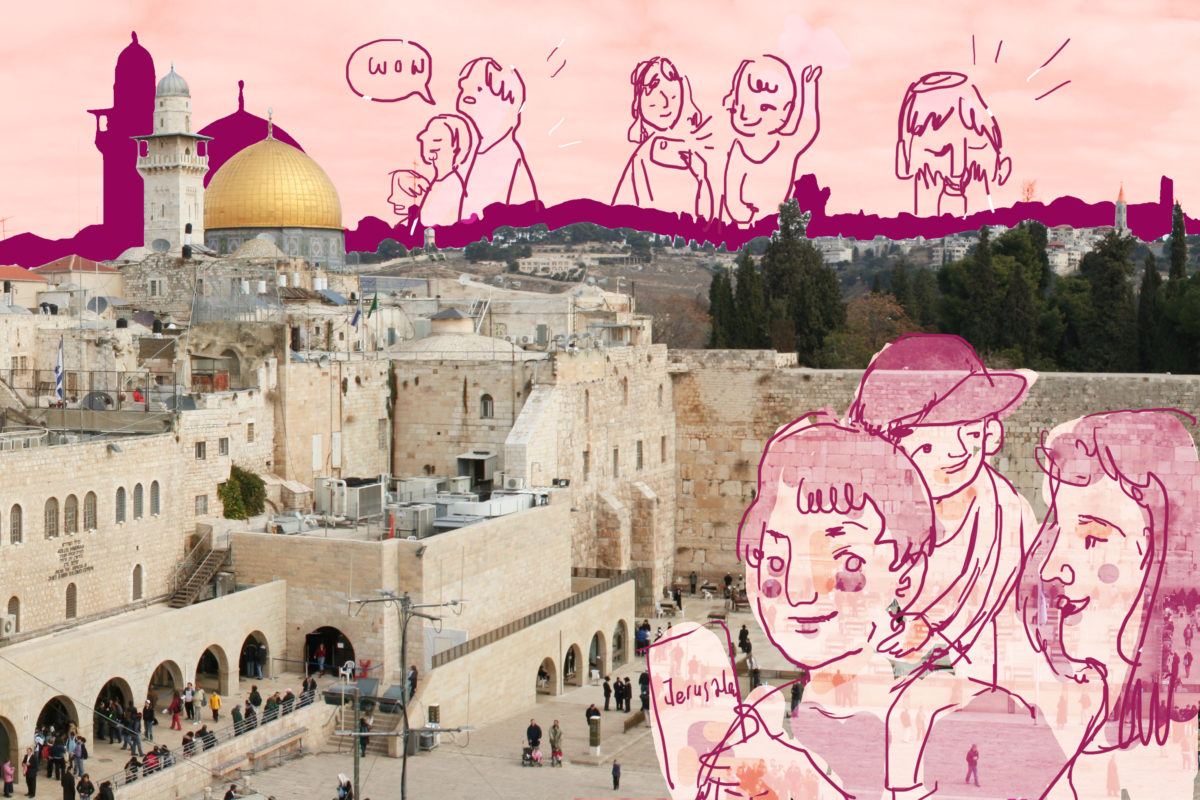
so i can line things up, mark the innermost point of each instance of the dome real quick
(461, 347)
(172, 85)
(271, 185)
(259, 248)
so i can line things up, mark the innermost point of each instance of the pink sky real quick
(1129, 114)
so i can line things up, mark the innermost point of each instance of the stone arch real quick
(598, 656)
(114, 689)
(620, 645)
(212, 670)
(255, 658)
(338, 648)
(138, 582)
(9, 748)
(58, 711)
(165, 680)
(547, 677)
(14, 608)
(574, 667)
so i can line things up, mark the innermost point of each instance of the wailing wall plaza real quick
(612, 471)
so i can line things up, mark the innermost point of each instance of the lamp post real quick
(408, 609)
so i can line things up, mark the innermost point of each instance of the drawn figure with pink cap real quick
(774, 122)
(1109, 590)
(669, 169)
(949, 144)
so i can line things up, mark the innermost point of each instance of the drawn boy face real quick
(435, 144)
(660, 103)
(491, 112)
(1097, 558)
(950, 150)
(819, 573)
(762, 100)
(951, 456)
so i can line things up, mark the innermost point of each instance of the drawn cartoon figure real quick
(835, 557)
(1118, 550)
(492, 98)
(446, 146)
(932, 396)
(949, 142)
(774, 122)
(667, 170)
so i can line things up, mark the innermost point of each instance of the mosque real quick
(266, 189)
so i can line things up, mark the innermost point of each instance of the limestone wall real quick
(100, 563)
(439, 411)
(344, 401)
(728, 403)
(131, 647)
(499, 680)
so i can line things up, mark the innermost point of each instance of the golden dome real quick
(271, 185)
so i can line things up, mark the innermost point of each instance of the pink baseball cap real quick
(933, 379)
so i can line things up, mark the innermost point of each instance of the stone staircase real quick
(206, 565)
(381, 723)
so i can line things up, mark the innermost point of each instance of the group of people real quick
(533, 738)
(620, 690)
(64, 754)
(883, 543)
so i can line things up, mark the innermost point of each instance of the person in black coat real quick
(68, 786)
(30, 764)
(533, 733)
(607, 693)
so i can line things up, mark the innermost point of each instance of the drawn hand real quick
(415, 185)
(694, 698)
(695, 163)
(809, 77)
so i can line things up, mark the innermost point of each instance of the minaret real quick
(173, 162)
(1120, 222)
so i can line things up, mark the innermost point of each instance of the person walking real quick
(556, 744)
(68, 785)
(628, 695)
(29, 766)
(616, 773)
(198, 700)
(607, 693)
(973, 764)
(7, 773)
(189, 697)
(85, 787)
(692, 581)
(319, 655)
(214, 702)
(363, 727)
(148, 720)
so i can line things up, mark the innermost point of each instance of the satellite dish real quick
(160, 245)
(145, 318)
(98, 305)
(464, 279)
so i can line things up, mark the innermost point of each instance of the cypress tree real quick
(750, 306)
(1150, 316)
(720, 308)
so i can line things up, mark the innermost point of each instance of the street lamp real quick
(408, 609)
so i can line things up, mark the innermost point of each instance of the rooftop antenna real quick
(241, 97)
(270, 127)
(3, 228)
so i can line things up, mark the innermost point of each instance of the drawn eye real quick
(775, 564)
(925, 449)
(939, 152)
(766, 107)
(1091, 541)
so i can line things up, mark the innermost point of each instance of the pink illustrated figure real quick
(667, 170)
(492, 97)
(1118, 550)
(445, 147)
(774, 123)
(949, 144)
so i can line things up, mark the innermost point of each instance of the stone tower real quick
(1120, 222)
(173, 162)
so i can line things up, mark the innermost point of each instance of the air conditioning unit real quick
(8, 626)
(514, 483)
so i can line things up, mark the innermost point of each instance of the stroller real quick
(531, 756)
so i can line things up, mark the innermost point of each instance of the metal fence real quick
(496, 634)
(96, 390)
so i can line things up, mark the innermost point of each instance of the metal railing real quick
(218, 736)
(496, 634)
(193, 558)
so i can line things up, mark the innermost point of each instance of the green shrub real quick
(244, 495)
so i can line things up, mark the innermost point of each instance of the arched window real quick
(71, 601)
(14, 525)
(51, 518)
(625, 391)
(137, 582)
(89, 511)
(486, 407)
(14, 610)
(138, 498)
(586, 404)
(154, 502)
(71, 514)
(120, 515)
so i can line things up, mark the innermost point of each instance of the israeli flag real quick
(58, 371)
(354, 319)
(1041, 604)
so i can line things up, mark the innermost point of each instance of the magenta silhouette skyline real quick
(132, 111)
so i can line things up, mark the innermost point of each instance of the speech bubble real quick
(390, 70)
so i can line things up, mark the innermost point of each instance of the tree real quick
(1111, 343)
(901, 289)
(1040, 237)
(751, 315)
(1019, 332)
(244, 495)
(872, 321)
(924, 293)
(1150, 316)
(982, 298)
(720, 302)
(680, 322)
(800, 286)
(1179, 253)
